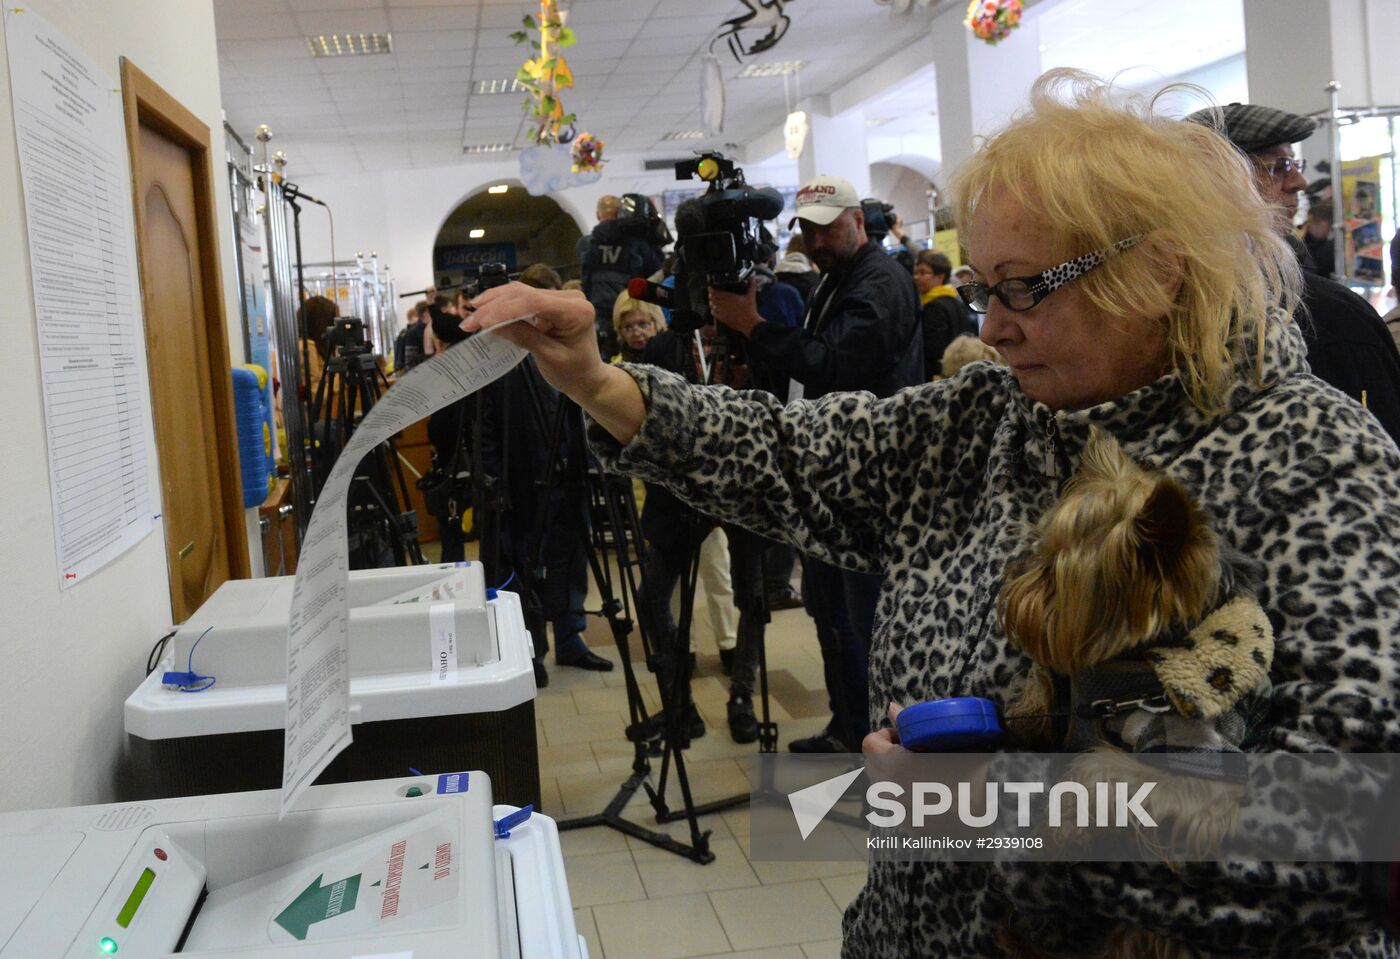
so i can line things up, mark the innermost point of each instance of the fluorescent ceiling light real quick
(685, 135)
(508, 85)
(779, 68)
(499, 188)
(477, 234)
(350, 44)
(487, 148)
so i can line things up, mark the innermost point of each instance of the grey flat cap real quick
(1253, 128)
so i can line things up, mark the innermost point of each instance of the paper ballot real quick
(318, 663)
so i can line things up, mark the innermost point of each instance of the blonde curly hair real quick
(965, 350)
(1092, 167)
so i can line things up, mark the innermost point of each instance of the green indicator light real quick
(109, 945)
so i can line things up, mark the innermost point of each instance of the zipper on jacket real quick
(1051, 432)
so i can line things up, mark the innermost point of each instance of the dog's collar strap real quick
(1107, 690)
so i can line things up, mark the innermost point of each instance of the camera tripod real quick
(378, 531)
(601, 512)
(747, 562)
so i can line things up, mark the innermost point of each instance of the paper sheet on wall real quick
(318, 660)
(77, 204)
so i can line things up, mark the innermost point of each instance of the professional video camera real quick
(447, 326)
(491, 275)
(720, 236)
(346, 338)
(879, 217)
(638, 216)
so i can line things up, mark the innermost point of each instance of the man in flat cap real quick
(1348, 345)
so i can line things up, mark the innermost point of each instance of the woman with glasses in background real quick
(1134, 284)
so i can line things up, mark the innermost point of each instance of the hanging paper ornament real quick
(711, 95)
(587, 153)
(795, 133)
(549, 168)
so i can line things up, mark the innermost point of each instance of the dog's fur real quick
(1122, 559)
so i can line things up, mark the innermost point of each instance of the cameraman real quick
(674, 531)
(626, 242)
(861, 332)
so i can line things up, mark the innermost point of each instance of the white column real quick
(980, 87)
(1294, 47)
(836, 145)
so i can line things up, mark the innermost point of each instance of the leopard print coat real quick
(938, 486)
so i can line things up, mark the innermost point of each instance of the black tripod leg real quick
(621, 625)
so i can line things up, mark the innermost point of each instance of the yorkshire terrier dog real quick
(1145, 637)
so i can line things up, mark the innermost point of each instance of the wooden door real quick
(186, 344)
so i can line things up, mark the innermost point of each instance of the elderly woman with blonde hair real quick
(635, 322)
(1133, 285)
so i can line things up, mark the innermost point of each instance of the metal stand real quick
(608, 523)
(349, 388)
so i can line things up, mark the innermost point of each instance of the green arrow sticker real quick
(318, 903)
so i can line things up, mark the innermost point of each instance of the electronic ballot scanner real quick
(423, 867)
(440, 678)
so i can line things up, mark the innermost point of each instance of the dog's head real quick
(1122, 556)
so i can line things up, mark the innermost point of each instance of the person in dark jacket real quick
(861, 332)
(945, 317)
(538, 505)
(618, 249)
(1349, 346)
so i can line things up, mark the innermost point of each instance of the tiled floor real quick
(634, 901)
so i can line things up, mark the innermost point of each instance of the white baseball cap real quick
(823, 199)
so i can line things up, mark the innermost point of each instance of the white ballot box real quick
(405, 867)
(440, 678)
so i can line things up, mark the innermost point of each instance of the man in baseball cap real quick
(824, 199)
(861, 332)
(1348, 345)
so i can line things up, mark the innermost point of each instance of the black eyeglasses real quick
(1280, 167)
(1021, 293)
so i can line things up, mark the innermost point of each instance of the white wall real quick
(71, 658)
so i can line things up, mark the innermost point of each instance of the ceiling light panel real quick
(488, 87)
(350, 44)
(684, 135)
(780, 68)
(478, 148)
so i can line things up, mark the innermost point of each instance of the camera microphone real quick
(649, 292)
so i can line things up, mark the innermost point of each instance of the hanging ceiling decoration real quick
(560, 158)
(795, 133)
(711, 95)
(764, 15)
(993, 20)
(547, 73)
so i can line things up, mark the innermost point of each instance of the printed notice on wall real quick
(318, 637)
(77, 205)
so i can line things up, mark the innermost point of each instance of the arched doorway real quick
(507, 226)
